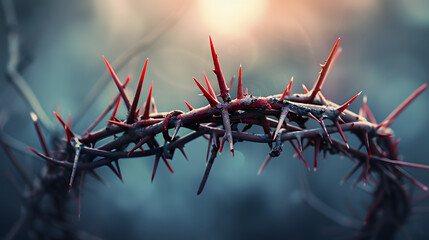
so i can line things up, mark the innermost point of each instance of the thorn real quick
(264, 164)
(75, 161)
(246, 92)
(139, 144)
(209, 87)
(176, 130)
(69, 133)
(304, 88)
(96, 176)
(323, 73)
(118, 123)
(287, 90)
(299, 141)
(212, 101)
(316, 153)
(166, 163)
(367, 111)
(118, 169)
(154, 109)
(208, 148)
(188, 105)
(39, 133)
(240, 85)
(299, 154)
(389, 120)
(147, 108)
(325, 130)
(118, 84)
(208, 169)
(341, 133)
(116, 108)
(285, 111)
(366, 142)
(69, 121)
(184, 154)
(231, 82)
(222, 142)
(155, 166)
(228, 132)
(132, 111)
(346, 105)
(224, 91)
(412, 179)
(310, 115)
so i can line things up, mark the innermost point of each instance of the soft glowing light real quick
(232, 17)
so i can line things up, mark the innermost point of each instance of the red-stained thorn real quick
(367, 111)
(39, 133)
(246, 92)
(304, 88)
(69, 121)
(69, 133)
(116, 108)
(340, 130)
(323, 73)
(231, 82)
(412, 179)
(132, 113)
(267, 160)
(189, 106)
(346, 105)
(288, 89)
(224, 91)
(240, 85)
(212, 101)
(391, 118)
(118, 123)
(147, 108)
(155, 166)
(366, 142)
(299, 141)
(299, 154)
(75, 161)
(167, 164)
(139, 144)
(118, 84)
(222, 142)
(283, 115)
(325, 130)
(209, 86)
(316, 153)
(310, 115)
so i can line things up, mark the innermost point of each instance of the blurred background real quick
(385, 55)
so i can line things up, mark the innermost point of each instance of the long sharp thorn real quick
(340, 130)
(139, 144)
(189, 106)
(212, 101)
(346, 105)
(118, 84)
(167, 164)
(96, 176)
(267, 160)
(366, 142)
(323, 73)
(231, 82)
(118, 170)
(389, 120)
(288, 89)
(154, 109)
(184, 154)
(132, 112)
(325, 130)
(281, 120)
(246, 92)
(309, 114)
(354, 169)
(209, 86)
(147, 108)
(367, 111)
(412, 179)
(75, 161)
(299, 154)
(228, 132)
(316, 153)
(176, 130)
(155, 166)
(208, 148)
(240, 85)
(118, 123)
(222, 142)
(224, 91)
(69, 133)
(299, 141)
(208, 168)
(39, 133)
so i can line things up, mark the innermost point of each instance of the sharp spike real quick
(231, 82)
(346, 105)
(389, 120)
(208, 168)
(341, 133)
(323, 73)
(96, 176)
(183, 152)
(316, 153)
(74, 169)
(167, 164)
(412, 179)
(267, 160)
(69, 133)
(299, 154)
(208, 148)
(309, 114)
(118, 84)
(147, 108)
(366, 142)
(240, 85)
(224, 91)
(228, 132)
(69, 121)
(118, 123)
(39, 133)
(154, 109)
(176, 130)
(288, 89)
(132, 112)
(212, 101)
(304, 88)
(325, 130)
(285, 111)
(367, 111)
(246, 92)
(299, 141)
(155, 166)
(209, 86)
(222, 142)
(118, 169)
(139, 144)
(188, 105)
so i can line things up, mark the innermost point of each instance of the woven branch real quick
(135, 135)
